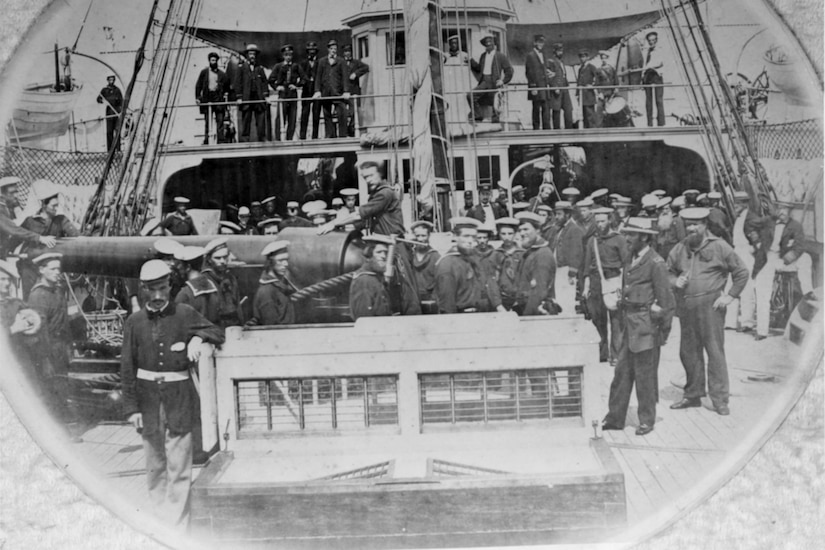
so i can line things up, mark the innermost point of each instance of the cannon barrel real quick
(312, 258)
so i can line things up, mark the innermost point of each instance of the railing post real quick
(208, 396)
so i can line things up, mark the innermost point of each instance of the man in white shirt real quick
(493, 70)
(653, 78)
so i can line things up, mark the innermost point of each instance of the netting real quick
(800, 139)
(78, 173)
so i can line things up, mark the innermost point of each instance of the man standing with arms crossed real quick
(159, 342)
(699, 268)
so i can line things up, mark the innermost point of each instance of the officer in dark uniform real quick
(586, 79)
(179, 223)
(286, 79)
(159, 342)
(112, 98)
(355, 69)
(332, 83)
(216, 268)
(309, 67)
(368, 295)
(272, 305)
(462, 285)
(646, 309)
(699, 268)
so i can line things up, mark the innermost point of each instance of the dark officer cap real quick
(312, 46)
(286, 48)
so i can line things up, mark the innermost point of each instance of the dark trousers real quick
(640, 369)
(658, 92)
(478, 95)
(567, 108)
(310, 106)
(541, 115)
(599, 317)
(220, 114)
(260, 115)
(290, 112)
(589, 116)
(111, 126)
(703, 331)
(352, 109)
(335, 108)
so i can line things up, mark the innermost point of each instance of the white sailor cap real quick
(678, 202)
(530, 217)
(376, 238)
(623, 201)
(690, 192)
(701, 196)
(461, 222)
(292, 204)
(349, 192)
(9, 180)
(229, 227)
(571, 191)
(563, 205)
(649, 201)
(311, 207)
(275, 247)
(715, 195)
(422, 223)
(585, 203)
(44, 189)
(181, 200)
(598, 193)
(695, 213)
(154, 270)
(268, 199)
(189, 253)
(544, 208)
(509, 222)
(663, 202)
(337, 201)
(150, 227)
(46, 257)
(520, 206)
(269, 221)
(166, 246)
(214, 245)
(487, 228)
(244, 211)
(659, 193)
(602, 211)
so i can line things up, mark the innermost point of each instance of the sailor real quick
(228, 228)
(536, 272)
(309, 66)
(585, 80)
(21, 324)
(252, 90)
(538, 80)
(270, 226)
(549, 227)
(424, 260)
(332, 83)
(167, 250)
(792, 249)
(508, 258)
(216, 267)
(702, 200)
(492, 71)
(159, 342)
(690, 196)
(256, 212)
(455, 55)
(368, 295)
(45, 222)
(486, 211)
(286, 78)
(198, 291)
(272, 305)
(621, 214)
(671, 228)
(646, 309)
(569, 255)
(10, 233)
(293, 219)
(179, 223)
(245, 222)
(653, 79)
(484, 249)
(718, 223)
(212, 87)
(355, 69)
(269, 205)
(600, 197)
(699, 267)
(764, 235)
(462, 285)
(337, 204)
(560, 96)
(677, 204)
(650, 205)
(518, 193)
(543, 197)
(112, 98)
(350, 199)
(320, 216)
(48, 298)
(607, 266)
(584, 209)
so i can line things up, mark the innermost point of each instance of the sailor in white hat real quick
(509, 258)
(10, 232)
(569, 256)
(368, 296)
(272, 304)
(270, 226)
(15, 316)
(245, 222)
(293, 219)
(350, 199)
(216, 267)
(159, 399)
(179, 223)
(535, 276)
(424, 260)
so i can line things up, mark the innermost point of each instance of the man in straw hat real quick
(252, 90)
(159, 343)
(699, 267)
(646, 309)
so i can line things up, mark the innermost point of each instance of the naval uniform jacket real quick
(12, 234)
(645, 282)
(368, 296)
(50, 302)
(535, 277)
(229, 308)
(424, 270)
(477, 212)
(536, 72)
(272, 305)
(285, 74)
(586, 80)
(358, 68)
(612, 253)
(462, 284)
(569, 247)
(157, 341)
(251, 85)
(507, 259)
(179, 225)
(201, 294)
(382, 212)
(59, 226)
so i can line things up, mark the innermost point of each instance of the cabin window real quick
(458, 173)
(363, 47)
(500, 396)
(489, 170)
(396, 48)
(304, 405)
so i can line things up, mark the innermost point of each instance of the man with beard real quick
(536, 272)
(382, 215)
(507, 260)
(493, 71)
(560, 96)
(368, 296)
(179, 223)
(486, 211)
(212, 87)
(462, 285)
(166, 250)
(671, 228)
(272, 305)
(612, 255)
(159, 398)
(424, 261)
(332, 83)
(569, 251)
(308, 67)
(538, 78)
(10, 233)
(646, 309)
(355, 69)
(252, 89)
(699, 268)
(199, 291)
(543, 198)
(217, 270)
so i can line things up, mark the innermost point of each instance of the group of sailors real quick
(330, 83)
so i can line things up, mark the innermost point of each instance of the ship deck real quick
(689, 455)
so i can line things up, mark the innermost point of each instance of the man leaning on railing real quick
(212, 87)
(493, 71)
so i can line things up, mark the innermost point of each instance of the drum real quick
(615, 105)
